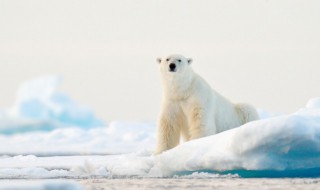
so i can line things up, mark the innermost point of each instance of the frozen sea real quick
(49, 141)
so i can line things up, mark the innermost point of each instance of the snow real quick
(61, 139)
(263, 114)
(40, 185)
(40, 106)
(48, 122)
(118, 137)
(313, 103)
(284, 143)
(13, 125)
(284, 146)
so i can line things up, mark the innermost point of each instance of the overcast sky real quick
(265, 52)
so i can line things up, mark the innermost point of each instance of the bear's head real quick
(174, 64)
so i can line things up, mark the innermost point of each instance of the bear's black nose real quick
(172, 66)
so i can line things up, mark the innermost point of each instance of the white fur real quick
(191, 108)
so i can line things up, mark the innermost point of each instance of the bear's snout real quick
(172, 67)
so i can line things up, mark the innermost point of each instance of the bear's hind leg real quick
(246, 112)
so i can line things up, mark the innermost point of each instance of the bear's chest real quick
(179, 92)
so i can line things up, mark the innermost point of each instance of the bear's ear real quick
(159, 60)
(189, 60)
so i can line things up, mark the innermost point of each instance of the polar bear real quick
(191, 108)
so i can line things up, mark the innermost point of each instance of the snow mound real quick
(39, 101)
(283, 146)
(286, 145)
(313, 103)
(119, 137)
(277, 146)
(47, 122)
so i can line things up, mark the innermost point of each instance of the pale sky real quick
(265, 52)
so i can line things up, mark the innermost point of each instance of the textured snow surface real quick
(41, 132)
(117, 137)
(284, 146)
(40, 185)
(44, 121)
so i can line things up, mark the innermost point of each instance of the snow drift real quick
(44, 121)
(40, 106)
(284, 146)
(280, 146)
(117, 138)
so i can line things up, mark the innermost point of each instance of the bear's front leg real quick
(168, 132)
(200, 123)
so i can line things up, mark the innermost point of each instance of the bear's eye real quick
(179, 60)
(167, 59)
